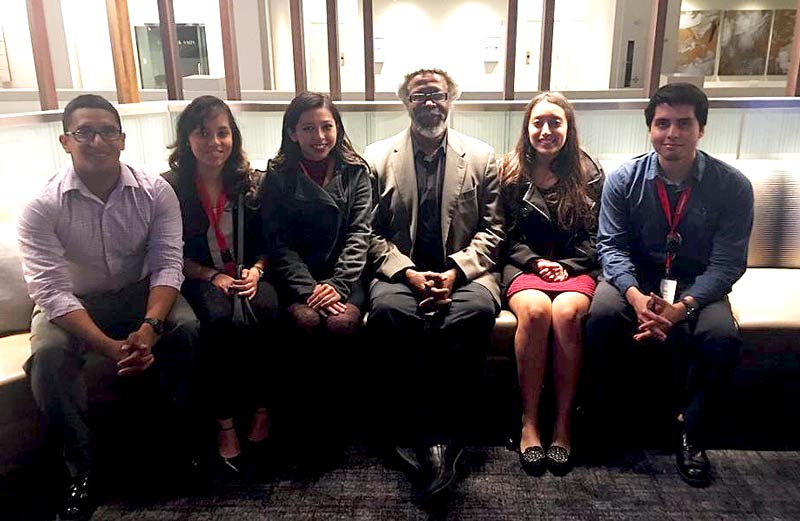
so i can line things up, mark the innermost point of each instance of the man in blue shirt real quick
(673, 235)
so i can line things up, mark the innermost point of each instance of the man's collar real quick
(695, 171)
(72, 180)
(441, 149)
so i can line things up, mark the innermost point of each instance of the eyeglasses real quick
(85, 135)
(425, 96)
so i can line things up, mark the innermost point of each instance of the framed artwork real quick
(5, 69)
(781, 41)
(697, 42)
(744, 42)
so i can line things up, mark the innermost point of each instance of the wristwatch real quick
(156, 324)
(691, 310)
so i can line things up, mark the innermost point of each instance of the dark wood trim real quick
(233, 88)
(334, 71)
(511, 50)
(119, 32)
(793, 80)
(546, 46)
(655, 47)
(369, 52)
(42, 61)
(169, 47)
(298, 46)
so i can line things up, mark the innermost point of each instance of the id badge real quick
(668, 288)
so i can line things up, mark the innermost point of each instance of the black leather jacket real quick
(532, 234)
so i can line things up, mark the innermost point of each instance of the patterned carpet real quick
(643, 485)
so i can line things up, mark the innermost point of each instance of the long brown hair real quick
(289, 154)
(572, 208)
(237, 176)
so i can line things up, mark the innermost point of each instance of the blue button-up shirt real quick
(715, 229)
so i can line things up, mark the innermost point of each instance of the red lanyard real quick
(214, 214)
(672, 220)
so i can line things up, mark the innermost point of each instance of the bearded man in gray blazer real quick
(437, 229)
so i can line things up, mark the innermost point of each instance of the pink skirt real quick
(581, 284)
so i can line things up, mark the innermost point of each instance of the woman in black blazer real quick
(551, 193)
(316, 203)
(211, 177)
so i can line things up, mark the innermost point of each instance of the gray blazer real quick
(472, 218)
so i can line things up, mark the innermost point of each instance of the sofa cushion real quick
(15, 305)
(767, 298)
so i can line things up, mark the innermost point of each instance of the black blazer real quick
(316, 235)
(195, 222)
(532, 234)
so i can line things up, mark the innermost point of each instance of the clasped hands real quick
(244, 287)
(550, 271)
(326, 301)
(655, 315)
(433, 289)
(134, 354)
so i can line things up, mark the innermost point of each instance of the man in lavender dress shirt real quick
(102, 257)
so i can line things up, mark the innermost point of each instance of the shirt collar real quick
(73, 182)
(696, 172)
(439, 152)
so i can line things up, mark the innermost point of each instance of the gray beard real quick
(432, 132)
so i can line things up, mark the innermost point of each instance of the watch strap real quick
(156, 324)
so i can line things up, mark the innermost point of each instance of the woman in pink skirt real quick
(551, 192)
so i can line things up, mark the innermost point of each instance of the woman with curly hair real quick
(214, 182)
(551, 193)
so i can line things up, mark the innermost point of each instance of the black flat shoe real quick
(532, 460)
(231, 468)
(558, 460)
(79, 504)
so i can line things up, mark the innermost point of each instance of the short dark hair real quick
(679, 94)
(88, 101)
(452, 87)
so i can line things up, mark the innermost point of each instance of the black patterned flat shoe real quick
(532, 460)
(558, 460)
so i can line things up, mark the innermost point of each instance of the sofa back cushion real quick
(775, 240)
(15, 305)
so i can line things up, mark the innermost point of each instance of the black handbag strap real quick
(240, 231)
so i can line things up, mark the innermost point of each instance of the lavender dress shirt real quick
(73, 244)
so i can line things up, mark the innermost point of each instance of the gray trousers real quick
(57, 363)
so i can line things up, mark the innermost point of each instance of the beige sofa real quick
(766, 302)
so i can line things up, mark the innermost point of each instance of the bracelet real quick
(214, 276)
(260, 270)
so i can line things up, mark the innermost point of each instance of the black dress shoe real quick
(532, 460)
(692, 463)
(78, 502)
(442, 461)
(558, 460)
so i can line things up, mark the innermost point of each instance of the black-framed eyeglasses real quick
(85, 135)
(425, 96)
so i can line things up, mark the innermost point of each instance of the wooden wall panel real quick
(42, 61)
(119, 31)
(169, 46)
(232, 84)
